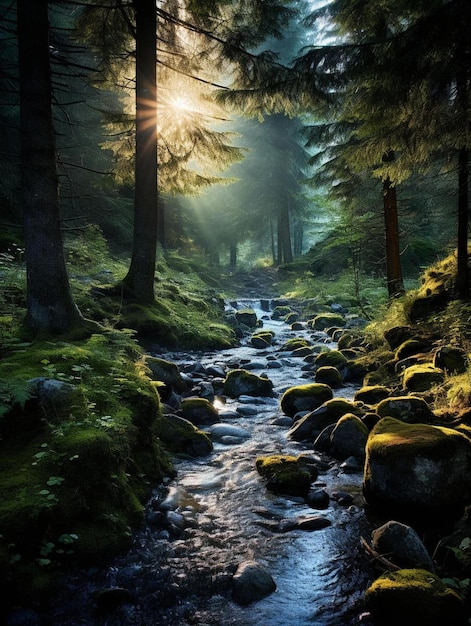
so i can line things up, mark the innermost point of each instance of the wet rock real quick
(401, 545)
(351, 465)
(199, 411)
(247, 411)
(318, 499)
(251, 582)
(262, 339)
(297, 326)
(305, 398)
(217, 371)
(218, 431)
(349, 437)
(417, 471)
(413, 597)
(343, 498)
(408, 409)
(274, 364)
(312, 522)
(241, 382)
(282, 421)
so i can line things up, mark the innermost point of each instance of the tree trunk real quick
(284, 234)
(233, 256)
(462, 278)
(391, 229)
(49, 305)
(140, 277)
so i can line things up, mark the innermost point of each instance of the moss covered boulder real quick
(333, 358)
(262, 339)
(295, 343)
(199, 411)
(411, 347)
(304, 398)
(326, 320)
(408, 409)
(166, 372)
(451, 359)
(372, 394)
(417, 471)
(182, 437)
(246, 317)
(310, 426)
(422, 377)
(414, 597)
(240, 382)
(329, 375)
(285, 474)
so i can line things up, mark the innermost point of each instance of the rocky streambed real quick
(260, 526)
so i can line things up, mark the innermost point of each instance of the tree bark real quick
(140, 277)
(285, 252)
(50, 306)
(233, 256)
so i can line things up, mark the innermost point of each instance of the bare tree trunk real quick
(140, 277)
(50, 306)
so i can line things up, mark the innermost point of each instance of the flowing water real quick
(185, 577)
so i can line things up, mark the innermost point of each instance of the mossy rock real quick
(241, 382)
(295, 343)
(302, 352)
(349, 437)
(326, 320)
(199, 411)
(246, 317)
(285, 474)
(372, 394)
(304, 398)
(333, 358)
(311, 425)
(181, 436)
(417, 471)
(422, 377)
(262, 339)
(452, 360)
(165, 371)
(329, 376)
(414, 597)
(397, 335)
(280, 312)
(408, 409)
(411, 347)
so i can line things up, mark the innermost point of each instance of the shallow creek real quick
(185, 579)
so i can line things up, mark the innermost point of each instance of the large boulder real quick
(251, 582)
(372, 394)
(329, 375)
(452, 360)
(326, 320)
(305, 398)
(422, 377)
(349, 437)
(240, 382)
(415, 471)
(333, 358)
(312, 424)
(414, 597)
(409, 409)
(246, 317)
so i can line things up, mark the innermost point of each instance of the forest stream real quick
(223, 515)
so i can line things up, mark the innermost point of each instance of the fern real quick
(14, 391)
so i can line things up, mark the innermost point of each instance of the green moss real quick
(414, 596)
(422, 377)
(294, 343)
(304, 398)
(285, 474)
(332, 358)
(241, 382)
(326, 320)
